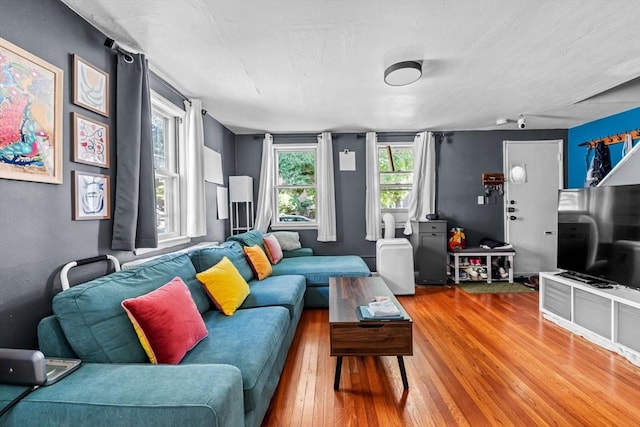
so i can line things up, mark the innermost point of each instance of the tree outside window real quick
(295, 185)
(396, 176)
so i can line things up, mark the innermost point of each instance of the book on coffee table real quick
(365, 315)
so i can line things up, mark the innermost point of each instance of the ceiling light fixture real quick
(403, 73)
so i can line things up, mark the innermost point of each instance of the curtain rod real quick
(399, 134)
(294, 136)
(168, 85)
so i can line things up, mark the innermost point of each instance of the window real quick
(295, 186)
(168, 141)
(396, 178)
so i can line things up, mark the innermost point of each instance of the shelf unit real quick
(429, 241)
(606, 317)
(455, 266)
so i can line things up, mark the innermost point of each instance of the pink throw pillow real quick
(274, 251)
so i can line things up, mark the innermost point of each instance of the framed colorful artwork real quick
(30, 117)
(91, 196)
(90, 87)
(90, 141)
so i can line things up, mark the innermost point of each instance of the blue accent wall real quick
(607, 126)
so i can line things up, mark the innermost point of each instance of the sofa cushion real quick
(297, 252)
(258, 261)
(225, 286)
(249, 238)
(205, 258)
(93, 320)
(166, 321)
(106, 394)
(284, 291)
(272, 249)
(318, 269)
(249, 340)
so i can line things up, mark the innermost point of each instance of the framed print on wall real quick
(30, 117)
(90, 87)
(90, 141)
(91, 196)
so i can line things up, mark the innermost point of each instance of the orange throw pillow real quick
(258, 261)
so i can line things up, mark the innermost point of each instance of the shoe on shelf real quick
(482, 272)
(503, 273)
(472, 273)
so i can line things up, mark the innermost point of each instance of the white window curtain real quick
(326, 203)
(196, 221)
(265, 190)
(372, 196)
(422, 199)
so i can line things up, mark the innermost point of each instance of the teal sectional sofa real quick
(315, 269)
(227, 379)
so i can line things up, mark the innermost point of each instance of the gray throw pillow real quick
(289, 240)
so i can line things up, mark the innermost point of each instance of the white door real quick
(533, 174)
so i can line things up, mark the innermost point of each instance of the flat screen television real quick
(599, 234)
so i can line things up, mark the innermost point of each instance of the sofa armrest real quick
(133, 395)
(52, 341)
(297, 252)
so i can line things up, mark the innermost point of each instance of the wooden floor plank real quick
(488, 359)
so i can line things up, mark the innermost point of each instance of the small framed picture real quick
(91, 196)
(90, 87)
(90, 141)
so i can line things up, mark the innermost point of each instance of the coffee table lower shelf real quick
(351, 337)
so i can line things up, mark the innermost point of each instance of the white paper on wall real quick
(347, 160)
(223, 203)
(212, 166)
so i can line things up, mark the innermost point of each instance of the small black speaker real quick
(22, 367)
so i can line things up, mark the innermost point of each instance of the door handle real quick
(513, 217)
(549, 233)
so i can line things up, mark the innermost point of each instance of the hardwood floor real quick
(479, 360)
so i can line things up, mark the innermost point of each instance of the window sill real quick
(164, 244)
(294, 226)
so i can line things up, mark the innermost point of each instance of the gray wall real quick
(462, 157)
(37, 235)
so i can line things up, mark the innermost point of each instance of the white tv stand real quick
(609, 318)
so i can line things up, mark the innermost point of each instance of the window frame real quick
(292, 225)
(401, 215)
(177, 139)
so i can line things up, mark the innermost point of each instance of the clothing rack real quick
(612, 139)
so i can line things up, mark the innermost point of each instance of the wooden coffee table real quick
(351, 337)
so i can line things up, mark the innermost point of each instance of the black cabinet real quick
(429, 241)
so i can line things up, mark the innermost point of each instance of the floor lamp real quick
(241, 202)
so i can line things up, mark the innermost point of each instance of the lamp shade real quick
(403, 73)
(240, 189)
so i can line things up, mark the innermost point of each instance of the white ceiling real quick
(308, 66)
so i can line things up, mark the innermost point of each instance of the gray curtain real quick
(134, 219)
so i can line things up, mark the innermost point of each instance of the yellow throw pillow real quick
(225, 286)
(258, 261)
